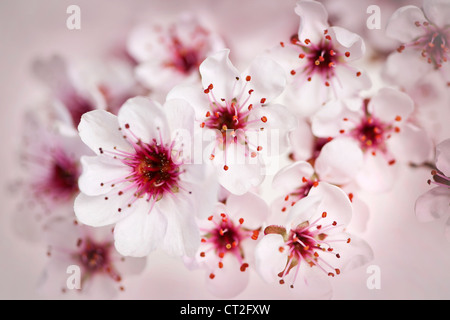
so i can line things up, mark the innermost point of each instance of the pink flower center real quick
(61, 183)
(308, 243)
(230, 118)
(95, 258)
(301, 192)
(183, 59)
(321, 58)
(77, 105)
(433, 44)
(226, 237)
(154, 169)
(439, 179)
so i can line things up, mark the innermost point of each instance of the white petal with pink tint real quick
(401, 25)
(437, 12)
(145, 118)
(433, 204)
(99, 129)
(339, 161)
(97, 172)
(218, 70)
(251, 206)
(313, 20)
(388, 104)
(290, 177)
(443, 157)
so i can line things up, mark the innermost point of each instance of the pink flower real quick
(229, 236)
(47, 182)
(435, 203)
(171, 53)
(320, 60)
(380, 127)
(143, 179)
(425, 30)
(311, 245)
(236, 114)
(102, 270)
(77, 88)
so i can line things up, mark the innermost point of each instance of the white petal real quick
(268, 79)
(389, 103)
(98, 171)
(194, 95)
(401, 26)
(377, 175)
(443, 157)
(302, 141)
(339, 160)
(412, 144)
(348, 41)
(437, 11)
(145, 119)
(218, 70)
(249, 206)
(140, 233)
(313, 20)
(99, 129)
(269, 261)
(433, 204)
(289, 178)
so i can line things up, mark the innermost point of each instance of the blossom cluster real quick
(170, 147)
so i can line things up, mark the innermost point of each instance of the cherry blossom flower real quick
(320, 61)
(77, 88)
(91, 254)
(143, 179)
(425, 30)
(229, 236)
(311, 245)
(49, 170)
(167, 54)
(435, 203)
(381, 129)
(237, 116)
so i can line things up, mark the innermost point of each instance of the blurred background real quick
(413, 257)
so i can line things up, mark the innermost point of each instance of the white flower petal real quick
(443, 157)
(218, 70)
(98, 171)
(401, 25)
(433, 204)
(339, 160)
(249, 206)
(99, 129)
(313, 20)
(145, 119)
(437, 11)
(390, 103)
(289, 178)
(269, 261)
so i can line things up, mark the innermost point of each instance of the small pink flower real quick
(311, 245)
(425, 30)
(169, 54)
(320, 60)
(142, 178)
(101, 269)
(435, 203)
(381, 129)
(77, 88)
(237, 114)
(228, 239)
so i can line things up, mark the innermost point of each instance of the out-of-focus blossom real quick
(169, 54)
(82, 261)
(435, 203)
(424, 30)
(236, 112)
(311, 245)
(320, 61)
(143, 179)
(77, 88)
(229, 236)
(381, 128)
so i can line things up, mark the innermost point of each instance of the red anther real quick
(259, 148)
(221, 255)
(225, 167)
(241, 220)
(248, 78)
(220, 264)
(358, 74)
(392, 162)
(202, 254)
(212, 276)
(301, 55)
(282, 44)
(324, 214)
(307, 41)
(244, 266)
(293, 72)
(264, 119)
(347, 54)
(263, 100)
